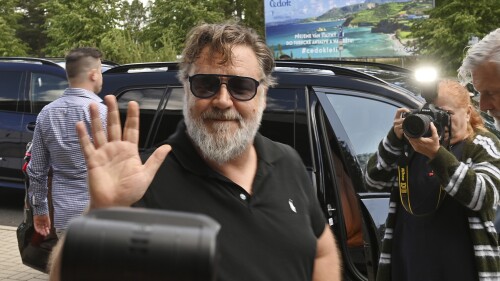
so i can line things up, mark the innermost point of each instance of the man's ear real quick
(93, 75)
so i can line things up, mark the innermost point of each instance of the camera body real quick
(417, 122)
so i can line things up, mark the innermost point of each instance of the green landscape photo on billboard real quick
(333, 29)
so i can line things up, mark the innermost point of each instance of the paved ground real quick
(11, 267)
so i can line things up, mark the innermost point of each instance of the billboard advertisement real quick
(333, 29)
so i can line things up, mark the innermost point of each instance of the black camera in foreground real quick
(417, 122)
(140, 244)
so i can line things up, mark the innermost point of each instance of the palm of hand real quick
(117, 175)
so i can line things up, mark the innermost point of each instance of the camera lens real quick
(416, 125)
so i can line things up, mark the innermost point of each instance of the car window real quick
(164, 101)
(10, 89)
(285, 120)
(365, 120)
(45, 88)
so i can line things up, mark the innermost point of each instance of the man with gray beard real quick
(219, 165)
(481, 67)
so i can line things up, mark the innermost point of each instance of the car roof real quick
(49, 61)
(356, 76)
(31, 64)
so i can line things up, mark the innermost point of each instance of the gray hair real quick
(486, 50)
(221, 38)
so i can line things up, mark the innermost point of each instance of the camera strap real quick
(404, 186)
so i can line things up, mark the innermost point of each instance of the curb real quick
(10, 228)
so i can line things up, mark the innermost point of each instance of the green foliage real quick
(125, 31)
(249, 12)
(119, 46)
(73, 24)
(177, 17)
(134, 17)
(445, 36)
(31, 28)
(10, 43)
(385, 11)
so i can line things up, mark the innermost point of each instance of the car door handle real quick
(31, 126)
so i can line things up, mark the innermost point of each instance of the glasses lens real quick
(207, 85)
(242, 88)
(204, 86)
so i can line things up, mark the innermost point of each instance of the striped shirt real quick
(56, 145)
(474, 181)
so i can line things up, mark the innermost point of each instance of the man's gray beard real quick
(222, 145)
(496, 117)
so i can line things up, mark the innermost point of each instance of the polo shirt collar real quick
(185, 152)
(82, 93)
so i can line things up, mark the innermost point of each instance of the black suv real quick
(333, 116)
(27, 85)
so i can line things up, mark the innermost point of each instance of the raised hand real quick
(116, 175)
(398, 122)
(426, 146)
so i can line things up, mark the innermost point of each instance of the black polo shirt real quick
(269, 235)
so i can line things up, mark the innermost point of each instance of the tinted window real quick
(170, 114)
(45, 88)
(11, 85)
(167, 102)
(366, 122)
(285, 120)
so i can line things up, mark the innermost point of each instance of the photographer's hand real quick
(426, 146)
(398, 122)
(116, 175)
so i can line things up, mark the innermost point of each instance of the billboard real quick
(333, 29)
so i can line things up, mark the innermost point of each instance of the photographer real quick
(444, 188)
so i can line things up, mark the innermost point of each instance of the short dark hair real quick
(77, 60)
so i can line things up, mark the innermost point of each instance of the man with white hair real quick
(481, 66)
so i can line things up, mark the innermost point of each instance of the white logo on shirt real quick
(292, 207)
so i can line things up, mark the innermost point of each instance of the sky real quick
(282, 10)
(299, 9)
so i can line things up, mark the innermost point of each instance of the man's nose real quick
(222, 98)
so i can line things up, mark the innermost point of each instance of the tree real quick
(134, 18)
(177, 17)
(249, 12)
(72, 24)
(10, 44)
(31, 28)
(445, 36)
(119, 46)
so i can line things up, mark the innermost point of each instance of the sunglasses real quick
(204, 86)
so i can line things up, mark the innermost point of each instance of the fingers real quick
(114, 126)
(85, 143)
(400, 111)
(156, 159)
(96, 126)
(434, 136)
(131, 129)
(42, 224)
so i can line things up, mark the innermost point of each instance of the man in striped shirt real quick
(56, 145)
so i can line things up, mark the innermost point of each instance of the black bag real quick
(34, 248)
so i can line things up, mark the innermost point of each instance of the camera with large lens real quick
(417, 122)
